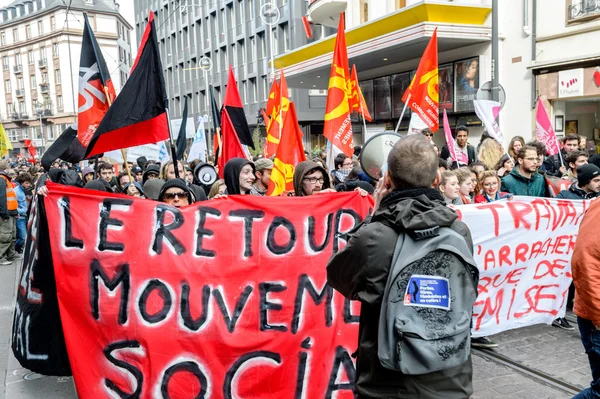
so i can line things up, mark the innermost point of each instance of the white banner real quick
(523, 250)
(189, 128)
(150, 151)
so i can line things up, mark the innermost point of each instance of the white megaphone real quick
(374, 154)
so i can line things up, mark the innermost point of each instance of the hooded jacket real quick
(360, 272)
(575, 193)
(304, 168)
(231, 174)
(98, 184)
(150, 169)
(516, 184)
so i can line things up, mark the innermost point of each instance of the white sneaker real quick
(5, 263)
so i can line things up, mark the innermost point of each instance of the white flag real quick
(416, 124)
(163, 153)
(488, 111)
(198, 148)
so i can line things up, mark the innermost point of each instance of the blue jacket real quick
(21, 200)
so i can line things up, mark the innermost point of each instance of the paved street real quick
(544, 348)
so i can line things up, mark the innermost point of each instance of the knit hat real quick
(262, 164)
(586, 173)
(152, 188)
(87, 170)
(178, 183)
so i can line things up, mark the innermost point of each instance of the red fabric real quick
(358, 103)
(155, 130)
(423, 89)
(232, 94)
(231, 147)
(337, 127)
(290, 152)
(280, 110)
(273, 100)
(307, 27)
(480, 198)
(31, 149)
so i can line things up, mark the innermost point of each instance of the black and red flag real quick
(94, 86)
(139, 114)
(233, 105)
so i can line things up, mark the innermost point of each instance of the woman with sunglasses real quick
(176, 193)
(489, 187)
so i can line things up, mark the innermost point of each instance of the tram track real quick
(529, 372)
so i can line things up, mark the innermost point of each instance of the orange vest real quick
(11, 196)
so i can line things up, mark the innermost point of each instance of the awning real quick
(394, 38)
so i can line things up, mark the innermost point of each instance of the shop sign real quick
(570, 83)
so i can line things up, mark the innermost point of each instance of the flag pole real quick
(363, 118)
(402, 114)
(123, 153)
(173, 150)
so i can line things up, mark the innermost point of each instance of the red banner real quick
(221, 299)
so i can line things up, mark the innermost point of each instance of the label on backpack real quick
(427, 292)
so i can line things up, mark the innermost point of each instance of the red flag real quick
(289, 153)
(138, 115)
(273, 100)
(275, 127)
(307, 28)
(233, 104)
(423, 89)
(337, 127)
(357, 100)
(231, 147)
(31, 149)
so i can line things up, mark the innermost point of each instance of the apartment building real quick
(40, 46)
(229, 32)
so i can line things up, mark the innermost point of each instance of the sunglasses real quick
(171, 196)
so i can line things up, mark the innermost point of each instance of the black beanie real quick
(586, 173)
(179, 184)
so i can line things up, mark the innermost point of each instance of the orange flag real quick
(290, 152)
(358, 101)
(280, 110)
(337, 127)
(423, 89)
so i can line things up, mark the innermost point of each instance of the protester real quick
(461, 135)
(152, 188)
(428, 134)
(465, 186)
(239, 176)
(542, 152)
(311, 178)
(99, 185)
(583, 144)
(23, 183)
(137, 173)
(353, 182)
(176, 193)
(477, 167)
(218, 188)
(575, 159)
(189, 175)
(515, 145)
(449, 187)
(490, 154)
(87, 174)
(151, 172)
(524, 179)
(504, 165)
(587, 185)
(553, 165)
(404, 201)
(8, 213)
(585, 266)
(122, 180)
(488, 186)
(106, 171)
(133, 190)
(343, 166)
(262, 172)
(141, 162)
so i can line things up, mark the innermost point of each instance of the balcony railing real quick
(48, 112)
(20, 93)
(42, 63)
(16, 116)
(44, 87)
(583, 9)
(18, 68)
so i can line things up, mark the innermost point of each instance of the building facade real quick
(40, 46)
(229, 32)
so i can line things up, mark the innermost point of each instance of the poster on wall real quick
(383, 98)
(446, 88)
(570, 83)
(466, 83)
(367, 91)
(400, 82)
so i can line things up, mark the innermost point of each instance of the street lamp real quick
(269, 14)
(40, 113)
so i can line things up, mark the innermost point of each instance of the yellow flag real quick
(5, 143)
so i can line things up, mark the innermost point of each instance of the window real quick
(7, 86)
(43, 53)
(13, 134)
(251, 8)
(10, 109)
(22, 108)
(5, 62)
(275, 45)
(55, 50)
(30, 57)
(57, 76)
(89, 2)
(286, 39)
(28, 31)
(582, 10)
(18, 59)
(265, 89)
(253, 94)
(50, 132)
(52, 23)
(253, 49)
(24, 133)
(245, 91)
(2, 38)
(364, 11)
(59, 103)
(20, 84)
(33, 82)
(15, 35)
(40, 27)
(45, 77)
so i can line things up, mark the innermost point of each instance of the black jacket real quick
(575, 193)
(360, 272)
(552, 164)
(445, 153)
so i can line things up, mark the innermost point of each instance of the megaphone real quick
(205, 175)
(374, 154)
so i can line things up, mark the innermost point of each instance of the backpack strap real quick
(423, 234)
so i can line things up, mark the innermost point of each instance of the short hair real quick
(447, 175)
(443, 163)
(23, 177)
(572, 156)
(128, 162)
(523, 151)
(460, 128)
(426, 130)
(339, 160)
(104, 166)
(485, 175)
(570, 137)
(539, 146)
(413, 163)
(463, 174)
(121, 175)
(3, 164)
(474, 164)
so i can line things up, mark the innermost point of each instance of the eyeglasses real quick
(314, 180)
(171, 196)
(490, 184)
(532, 159)
(347, 164)
(429, 134)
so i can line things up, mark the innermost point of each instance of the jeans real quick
(21, 233)
(590, 338)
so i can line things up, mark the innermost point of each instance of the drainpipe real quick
(533, 51)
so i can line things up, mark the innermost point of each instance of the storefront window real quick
(383, 98)
(400, 83)
(446, 88)
(466, 83)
